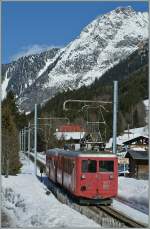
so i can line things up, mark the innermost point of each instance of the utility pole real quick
(115, 107)
(35, 138)
(24, 149)
(7, 168)
(20, 135)
(19, 140)
(22, 140)
(28, 139)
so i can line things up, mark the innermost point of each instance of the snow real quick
(146, 103)
(69, 135)
(25, 200)
(135, 132)
(101, 45)
(134, 192)
(133, 213)
(47, 63)
(138, 149)
(27, 112)
(26, 203)
(40, 157)
(111, 29)
(4, 86)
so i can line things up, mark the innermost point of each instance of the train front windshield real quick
(106, 166)
(90, 166)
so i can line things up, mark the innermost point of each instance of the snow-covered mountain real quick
(101, 45)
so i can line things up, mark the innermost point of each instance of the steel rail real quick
(128, 221)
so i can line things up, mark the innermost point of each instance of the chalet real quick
(138, 164)
(136, 142)
(71, 133)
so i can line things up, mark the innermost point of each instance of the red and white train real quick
(89, 176)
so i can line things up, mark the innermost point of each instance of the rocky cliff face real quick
(101, 45)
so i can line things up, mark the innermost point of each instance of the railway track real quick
(106, 216)
(121, 217)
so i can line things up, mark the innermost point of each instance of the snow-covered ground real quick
(25, 201)
(134, 193)
(41, 157)
(132, 213)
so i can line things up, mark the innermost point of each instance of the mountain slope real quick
(133, 89)
(102, 44)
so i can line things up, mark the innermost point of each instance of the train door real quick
(88, 180)
(106, 182)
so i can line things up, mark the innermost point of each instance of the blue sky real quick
(30, 27)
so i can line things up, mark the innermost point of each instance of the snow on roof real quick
(133, 133)
(138, 148)
(69, 135)
(134, 139)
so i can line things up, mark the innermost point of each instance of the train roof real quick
(87, 153)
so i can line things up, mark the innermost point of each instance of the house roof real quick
(138, 155)
(70, 128)
(135, 139)
(136, 132)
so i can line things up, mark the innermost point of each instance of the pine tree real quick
(10, 143)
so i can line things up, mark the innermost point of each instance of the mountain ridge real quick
(102, 44)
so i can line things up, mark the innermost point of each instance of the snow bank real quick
(25, 199)
(132, 213)
(134, 192)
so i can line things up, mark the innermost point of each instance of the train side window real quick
(89, 166)
(106, 166)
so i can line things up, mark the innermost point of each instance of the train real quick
(90, 177)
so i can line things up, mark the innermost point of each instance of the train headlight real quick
(111, 176)
(83, 177)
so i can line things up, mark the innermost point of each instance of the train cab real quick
(97, 176)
